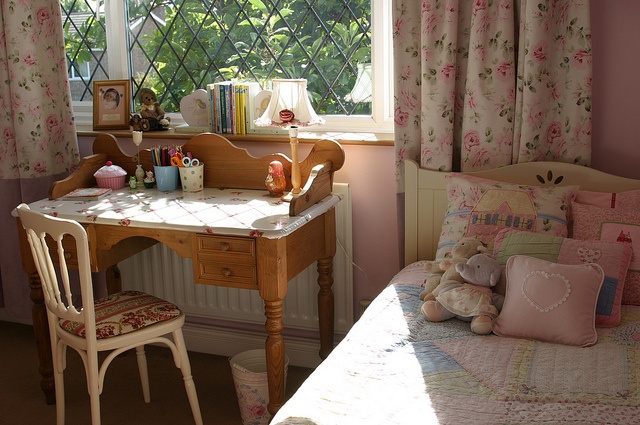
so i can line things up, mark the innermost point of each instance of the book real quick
(87, 194)
(212, 107)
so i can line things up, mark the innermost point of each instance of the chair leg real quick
(144, 373)
(58, 379)
(93, 387)
(185, 367)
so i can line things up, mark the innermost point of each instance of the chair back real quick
(55, 243)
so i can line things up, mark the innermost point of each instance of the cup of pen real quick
(192, 175)
(167, 177)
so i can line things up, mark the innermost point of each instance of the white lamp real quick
(290, 108)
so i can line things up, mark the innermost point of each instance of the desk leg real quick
(114, 280)
(274, 348)
(43, 339)
(325, 305)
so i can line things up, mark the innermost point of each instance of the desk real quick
(233, 231)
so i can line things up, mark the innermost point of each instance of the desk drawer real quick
(225, 261)
(227, 245)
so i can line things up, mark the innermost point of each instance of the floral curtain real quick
(39, 143)
(482, 83)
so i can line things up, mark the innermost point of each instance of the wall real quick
(616, 86)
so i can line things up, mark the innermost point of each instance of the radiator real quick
(160, 271)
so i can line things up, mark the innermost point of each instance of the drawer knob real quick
(67, 255)
(224, 246)
(226, 272)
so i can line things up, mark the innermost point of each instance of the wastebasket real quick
(249, 370)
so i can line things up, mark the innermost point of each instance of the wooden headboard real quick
(426, 198)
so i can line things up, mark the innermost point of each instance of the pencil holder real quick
(192, 178)
(167, 177)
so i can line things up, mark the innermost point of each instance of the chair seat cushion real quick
(125, 312)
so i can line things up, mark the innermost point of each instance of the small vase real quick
(139, 174)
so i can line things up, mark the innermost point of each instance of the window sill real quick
(344, 138)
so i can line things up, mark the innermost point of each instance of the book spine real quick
(223, 109)
(240, 108)
(210, 108)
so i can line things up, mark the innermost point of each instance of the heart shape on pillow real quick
(545, 291)
(587, 255)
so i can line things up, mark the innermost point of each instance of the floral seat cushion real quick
(125, 312)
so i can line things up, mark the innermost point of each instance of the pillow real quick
(629, 200)
(613, 257)
(481, 207)
(612, 225)
(550, 302)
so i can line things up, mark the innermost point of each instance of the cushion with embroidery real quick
(125, 312)
(613, 257)
(612, 225)
(482, 207)
(627, 200)
(550, 302)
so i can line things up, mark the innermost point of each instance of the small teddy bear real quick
(149, 106)
(151, 115)
(472, 300)
(444, 270)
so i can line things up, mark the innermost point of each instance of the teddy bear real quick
(444, 271)
(149, 106)
(151, 115)
(472, 300)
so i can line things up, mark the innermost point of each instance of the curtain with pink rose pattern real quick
(39, 143)
(485, 83)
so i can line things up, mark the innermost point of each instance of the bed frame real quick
(426, 197)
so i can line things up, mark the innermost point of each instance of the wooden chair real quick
(116, 323)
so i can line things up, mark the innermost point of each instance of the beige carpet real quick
(22, 402)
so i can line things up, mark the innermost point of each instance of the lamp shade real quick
(289, 106)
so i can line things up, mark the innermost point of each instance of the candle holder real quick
(137, 140)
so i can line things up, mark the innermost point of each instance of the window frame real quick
(380, 120)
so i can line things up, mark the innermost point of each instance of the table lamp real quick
(290, 108)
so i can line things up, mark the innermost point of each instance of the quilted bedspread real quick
(394, 367)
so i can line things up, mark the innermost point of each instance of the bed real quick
(395, 367)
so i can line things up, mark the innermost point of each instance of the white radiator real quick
(160, 271)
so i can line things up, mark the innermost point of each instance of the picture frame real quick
(111, 104)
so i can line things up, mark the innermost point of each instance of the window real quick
(177, 46)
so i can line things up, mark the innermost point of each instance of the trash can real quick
(249, 370)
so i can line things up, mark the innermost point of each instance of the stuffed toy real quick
(149, 106)
(151, 115)
(472, 300)
(444, 271)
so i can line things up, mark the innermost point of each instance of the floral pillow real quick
(613, 225)
(550, 302)
(613, 257)
(482, 207)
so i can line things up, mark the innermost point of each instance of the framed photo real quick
(111, 105)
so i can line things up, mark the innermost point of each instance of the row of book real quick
(231, 106)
